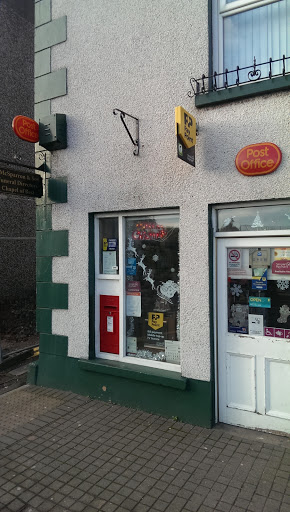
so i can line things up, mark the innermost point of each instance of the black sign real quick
(188, 155)
(20, 183)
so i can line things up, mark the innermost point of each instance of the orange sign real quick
(26, 128)
(257, 159)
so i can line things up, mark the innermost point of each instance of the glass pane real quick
(263, 33)
(259, 291)
(152, 287)
(264, 218)
(109, 246)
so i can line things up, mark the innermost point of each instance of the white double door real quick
(253, 348)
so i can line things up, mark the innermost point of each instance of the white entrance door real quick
(253, 314)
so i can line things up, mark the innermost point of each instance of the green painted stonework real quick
(53, 344)
(52, 243)
(32, 373)
(44, 269)
(57, 190)
(241, 92)
(52, 295)
(42, 63)
(43, 320)
(42, 12)
(43, 164)
(135, 372)
(43, 217)
(192, 405)
(92, 281)
(41, 109)
(50, 86)
(50, 34)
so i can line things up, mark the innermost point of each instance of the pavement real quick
(64, 452)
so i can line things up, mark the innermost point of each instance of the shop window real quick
(152, 287)
(137, 288)
(248, 29)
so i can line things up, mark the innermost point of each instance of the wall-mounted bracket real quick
(122, 117)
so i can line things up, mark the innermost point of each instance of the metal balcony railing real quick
(239, 76)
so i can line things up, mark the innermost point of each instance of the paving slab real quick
(65, 452)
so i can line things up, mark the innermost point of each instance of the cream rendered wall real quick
(138, 55)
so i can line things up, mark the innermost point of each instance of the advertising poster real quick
(131, 345)
(155, 328)
(112, 244)
(133, 303)
(259, 302)
(131, 267)
(172, 351)
(256, 325)
(259, 279)
(260, 258)
(281, 267)
(155, 320)
(282, 253)
(109, 262)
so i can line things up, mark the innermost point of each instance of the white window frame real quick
(121, 278)
(221, 10)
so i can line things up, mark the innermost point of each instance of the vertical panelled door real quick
(253, 312)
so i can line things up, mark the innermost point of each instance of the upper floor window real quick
(248, 29)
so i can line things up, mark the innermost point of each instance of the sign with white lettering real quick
(20, 183)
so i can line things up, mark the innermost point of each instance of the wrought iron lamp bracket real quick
(135, 142)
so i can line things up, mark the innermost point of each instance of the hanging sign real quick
(20, 183)
(185, 130)
(26, 128)
(257, 159)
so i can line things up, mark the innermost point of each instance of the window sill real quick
(236, 93)
(135, 372)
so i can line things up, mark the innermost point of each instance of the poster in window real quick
(256, 325)
(109, 262)
(172, 351)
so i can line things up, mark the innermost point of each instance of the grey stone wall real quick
(17, 215)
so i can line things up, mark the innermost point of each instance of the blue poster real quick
(260, 283)
(259, 302)
(243, 330)
(131, 267)
(112, 244)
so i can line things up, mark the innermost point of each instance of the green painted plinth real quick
(188, 400)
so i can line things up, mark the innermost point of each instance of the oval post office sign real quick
(257, 159)
(26, 128)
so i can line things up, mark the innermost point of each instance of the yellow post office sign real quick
(105, 244)
(185, 127)
(155, 320)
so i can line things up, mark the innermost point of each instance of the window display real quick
(259, 291)
(264, 218)
(152, 287)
